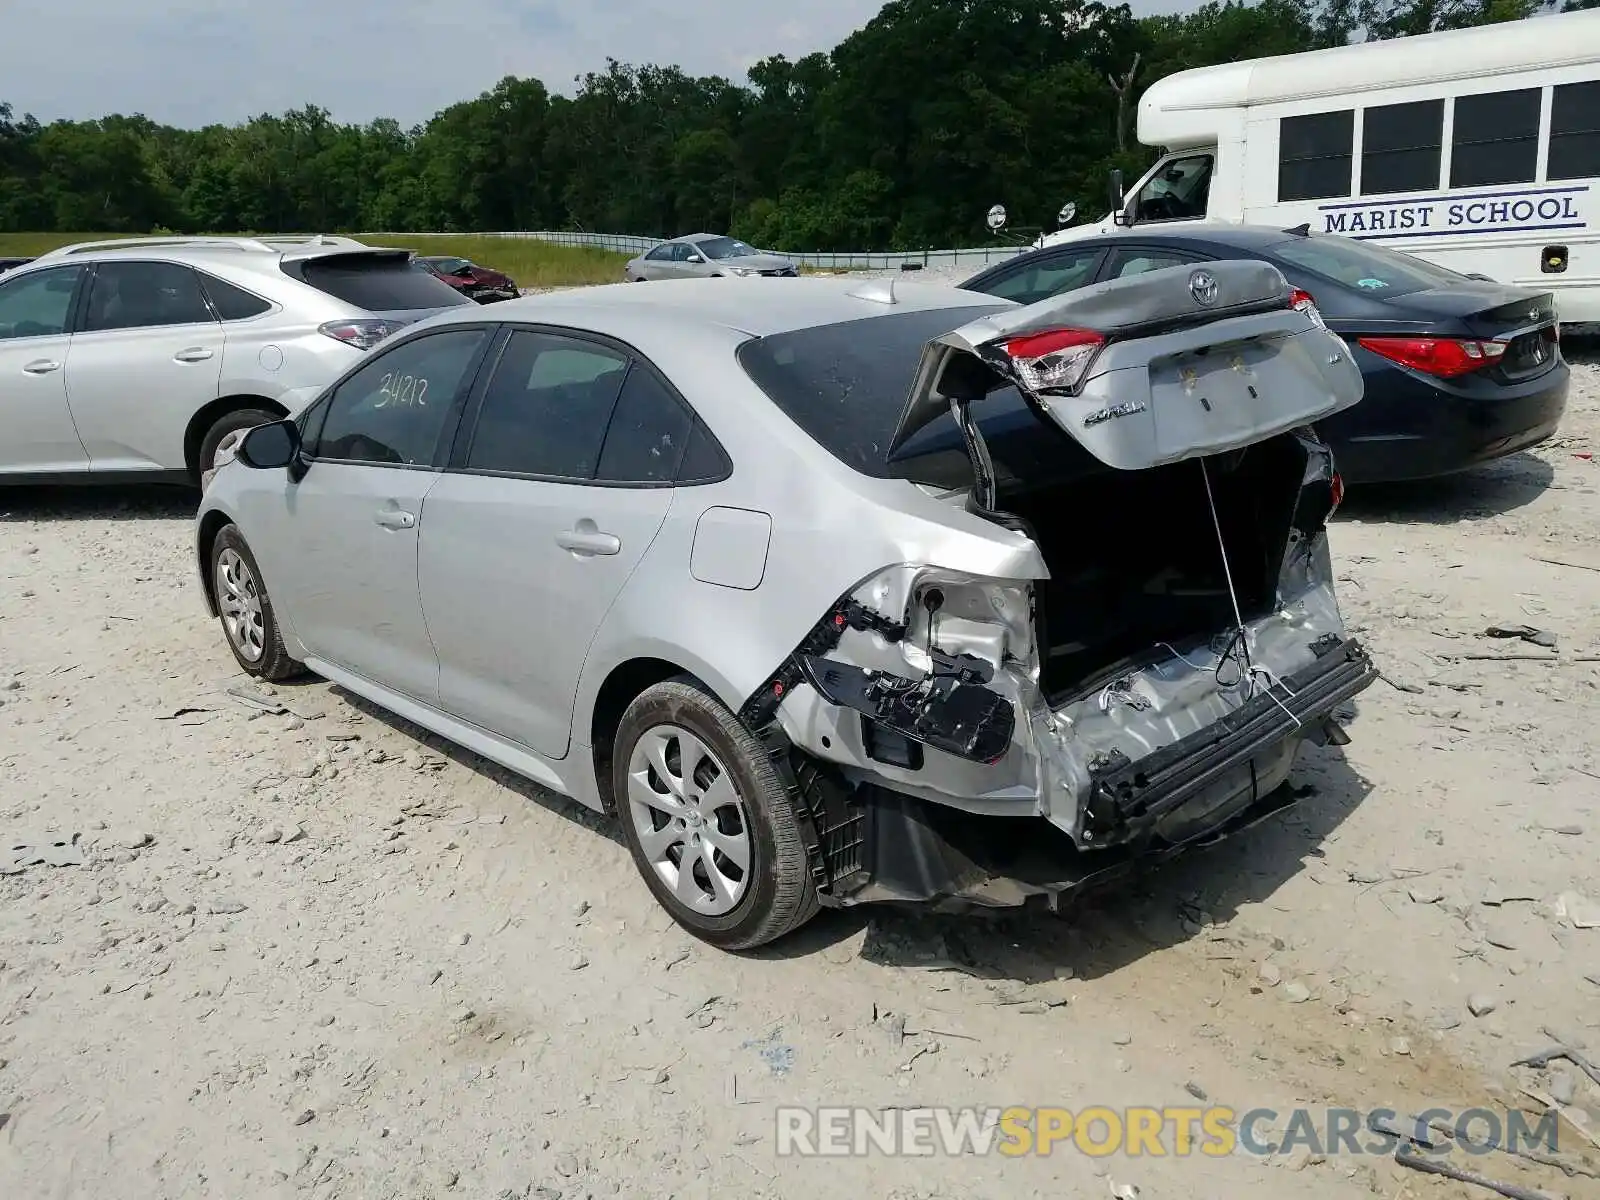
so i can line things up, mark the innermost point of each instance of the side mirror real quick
(695, 258)
(269, 446)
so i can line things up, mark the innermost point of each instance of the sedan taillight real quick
(363, 333)
(1443, 357)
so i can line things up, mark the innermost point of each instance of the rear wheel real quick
(248, 620)
(707, 819)
(222, 440)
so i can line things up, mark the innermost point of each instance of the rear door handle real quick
(589, 541)
(41, 366)
(394, 518)
(192, 354)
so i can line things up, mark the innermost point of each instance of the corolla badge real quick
(1110, 413)
(1203, 287)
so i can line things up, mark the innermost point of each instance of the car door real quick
(345, 549)
(146, 357)
(37, 433)
(1137, 258)
(559, 482)
(658, 263)
(1036, 277)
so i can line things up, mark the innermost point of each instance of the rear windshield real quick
(1363, 267)
(846, 384)
(378, 284)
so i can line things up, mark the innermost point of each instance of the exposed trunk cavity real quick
(1135, 559)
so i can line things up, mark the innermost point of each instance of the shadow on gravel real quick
(1144, 914)
(1491, 490)
(560, 805)
(131, 502)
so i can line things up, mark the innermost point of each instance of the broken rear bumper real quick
(876, 844)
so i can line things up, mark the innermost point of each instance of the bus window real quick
(1176, 192)
(1574, 131)
(1314, 155)
(1400, 147)
(1496, 138)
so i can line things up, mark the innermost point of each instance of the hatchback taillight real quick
(363, 333)
(1443, 357)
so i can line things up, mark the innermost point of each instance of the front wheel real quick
(707, 819)
(248, 620)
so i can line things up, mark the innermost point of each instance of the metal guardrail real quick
(966, 258)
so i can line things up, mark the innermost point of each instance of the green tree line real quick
(901, 137)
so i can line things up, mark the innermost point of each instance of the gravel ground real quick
(318, 953)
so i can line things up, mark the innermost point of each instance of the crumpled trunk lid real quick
(1178, 363)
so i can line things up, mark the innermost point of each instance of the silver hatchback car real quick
(831, 592)
(146, 358)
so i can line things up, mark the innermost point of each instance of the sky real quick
(196, 62)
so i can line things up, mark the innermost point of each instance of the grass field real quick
(530, 262)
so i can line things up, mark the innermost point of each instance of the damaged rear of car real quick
(955, 739)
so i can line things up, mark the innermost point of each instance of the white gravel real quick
(315, 953)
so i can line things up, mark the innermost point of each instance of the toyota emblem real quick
(1203, 287)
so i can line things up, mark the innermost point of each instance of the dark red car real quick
(480, 283)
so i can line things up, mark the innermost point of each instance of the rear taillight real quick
(363, 334)
(1443, 357)
(1335, 493)
(1055, 361)
(1304, 303)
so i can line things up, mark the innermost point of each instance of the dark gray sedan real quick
(705, 255)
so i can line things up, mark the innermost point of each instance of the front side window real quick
(1495, 138)
(394, 409)
(1400, 147)
(145, 295)
(546, 408)
(660, 254)
(37, 304)
(1574, 131)
(1177, 192)
(1049, 276)
(1314, 155)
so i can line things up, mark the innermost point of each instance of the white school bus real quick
(1477, 149)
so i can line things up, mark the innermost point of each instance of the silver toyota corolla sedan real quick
(831, 591)
(705, 256)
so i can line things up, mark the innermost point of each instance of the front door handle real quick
(192, 354)
(588, 540)
(42, 366)
(394, 518)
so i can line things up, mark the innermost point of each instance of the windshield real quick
(724, 247)
(1363, 267)
(845, 384)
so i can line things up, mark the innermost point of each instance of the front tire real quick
(249, 622)
(707, 819)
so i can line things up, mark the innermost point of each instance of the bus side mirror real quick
(1121, 214)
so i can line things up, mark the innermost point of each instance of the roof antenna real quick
(879, 291)
(1301, 230)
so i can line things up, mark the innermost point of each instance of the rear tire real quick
(225, 434)
(707, 820)
(249, 622)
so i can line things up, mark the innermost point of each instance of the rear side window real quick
(232, 303)
(1047, 276)
(1314, 155)
(1574, 131)
(1400, 147)
(546, 408)
(845, 384)
(378, 283)
(1361, 266)
(145, 295)
(648, 432)
(1495, 138)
